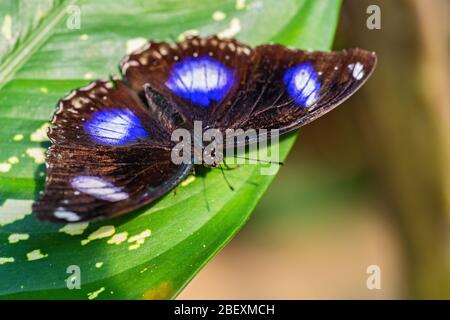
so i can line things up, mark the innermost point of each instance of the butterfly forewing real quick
(197, 74)
(286, 88)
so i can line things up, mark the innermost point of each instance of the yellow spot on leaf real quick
(139, 239)
(44, 90)
(74, 229)
(232, 30)
(118, 238)
(13, 210)
(84, 37)
(18, 137)
(36, 255)
(218, 16)
(38, 154)
(188, 181)
(99, 264)
(4, 260)
(16, 237)
(94, 295)
(5, 167)
(240, 4)
(13, 160)
(102, 232)
(7, 27)
(40, 134)
(162, 292)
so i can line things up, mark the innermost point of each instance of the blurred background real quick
(368, 184)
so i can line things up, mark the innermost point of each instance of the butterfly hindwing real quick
(108, 157)
(84, 184)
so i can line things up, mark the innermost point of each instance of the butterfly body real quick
(113, 141)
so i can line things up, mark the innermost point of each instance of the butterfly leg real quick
(225, 178)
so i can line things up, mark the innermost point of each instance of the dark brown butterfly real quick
(111, 140)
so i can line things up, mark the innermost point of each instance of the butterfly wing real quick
(286, 88)
(226, 84)
(196, 74)
(108, 156)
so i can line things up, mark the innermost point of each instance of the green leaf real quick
(42, 62)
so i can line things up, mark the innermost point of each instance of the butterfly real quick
(111, 140)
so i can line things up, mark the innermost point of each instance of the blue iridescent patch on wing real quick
(201, 80)
(303, 84)
(115, 127)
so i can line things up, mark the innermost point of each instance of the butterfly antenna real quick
(225, 177)
(262, 161)
(228, 167)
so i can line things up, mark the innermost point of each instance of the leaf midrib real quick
(17, 58)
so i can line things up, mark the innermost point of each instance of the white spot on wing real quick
(98, 188)
(201, 80)
(357, 70)
(307, 86)
(188, 33)
(135, 44)
(128, 64)
(64, 214)
(115, 127)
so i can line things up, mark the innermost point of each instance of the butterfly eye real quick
(303, 84)
(115, 127)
